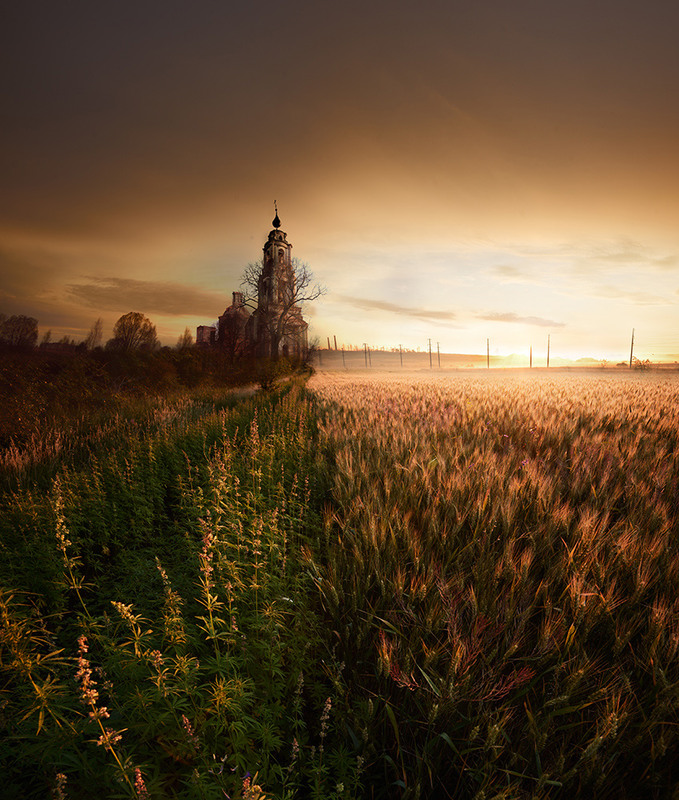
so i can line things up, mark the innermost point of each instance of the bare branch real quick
(282, 318)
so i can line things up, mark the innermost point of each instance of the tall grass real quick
(382, 588)
(158, 637)
(502, 577)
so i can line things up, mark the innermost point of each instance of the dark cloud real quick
(428, 315)
(510, 316)
(159, 297)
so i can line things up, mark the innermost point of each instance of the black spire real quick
(276, 222)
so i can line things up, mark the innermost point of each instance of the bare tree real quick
(278, 309)
(133, 331)
(19, 331)
(185, 341)
(93, 338)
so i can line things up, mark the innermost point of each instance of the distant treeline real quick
(40, 386)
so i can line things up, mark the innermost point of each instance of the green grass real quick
(165, 574)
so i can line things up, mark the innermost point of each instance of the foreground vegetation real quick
(374, 589)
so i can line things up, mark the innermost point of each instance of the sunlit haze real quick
(454, 171)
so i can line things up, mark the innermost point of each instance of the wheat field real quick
(502, 572)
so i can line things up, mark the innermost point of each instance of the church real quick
(275, 328)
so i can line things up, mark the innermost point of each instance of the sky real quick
(456, 170)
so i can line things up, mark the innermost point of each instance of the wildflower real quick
(195, 741)
(124, 611)
(108, 738)
(295, 751)
(325, 717)
(59, 791)
(161, 569)
(139, 785)
(88, 693)
(156, 658)
(205, 556)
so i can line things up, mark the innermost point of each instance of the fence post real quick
(631, 350)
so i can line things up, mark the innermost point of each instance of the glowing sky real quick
(453, 170)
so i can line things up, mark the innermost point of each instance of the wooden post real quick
(365, 354)
(335, 338)
(329, 348)
(631, 350)
(370, 361)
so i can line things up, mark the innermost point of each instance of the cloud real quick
(439, 317)
(628, 252)
(508, 273)
(510, 316)
(159, 297)
(636, 297)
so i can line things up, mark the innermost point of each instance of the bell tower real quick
(275, 283)
(277, 327)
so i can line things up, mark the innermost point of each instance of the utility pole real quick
(438, 353)
(548, 342)
(365, 354)
(631, 350)
(531, 356)
(488, 353)
(430, 364)
(400, 352)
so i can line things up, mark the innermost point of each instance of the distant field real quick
(380, 360)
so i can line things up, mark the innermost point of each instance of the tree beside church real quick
(265, 320)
